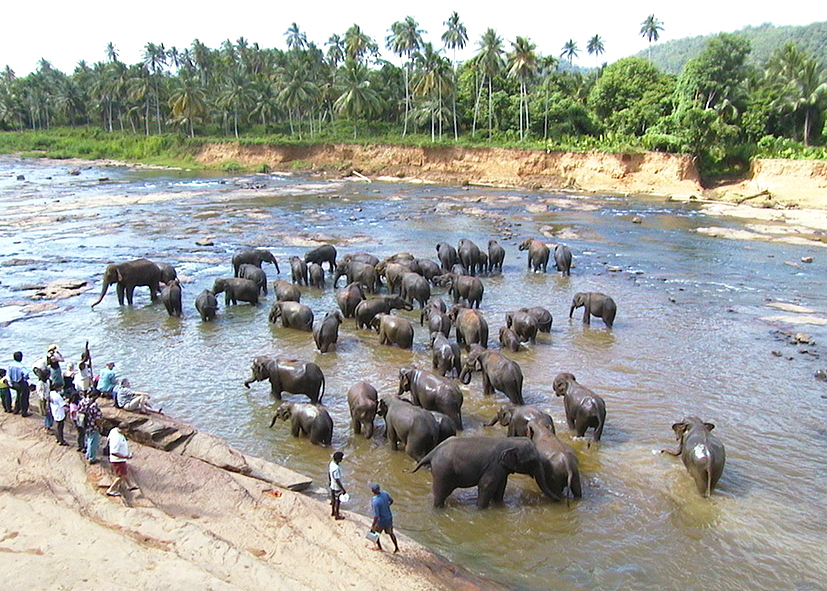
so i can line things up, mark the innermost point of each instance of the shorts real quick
(334, 495)
(119, 468)
(386, 527)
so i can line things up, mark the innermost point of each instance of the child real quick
(5, 391)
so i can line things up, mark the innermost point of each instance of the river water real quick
(691, 338)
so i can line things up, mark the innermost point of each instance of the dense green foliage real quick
(719, 107)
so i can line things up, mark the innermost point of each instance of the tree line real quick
(719, 108)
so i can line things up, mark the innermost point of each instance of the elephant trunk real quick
(492, 422)
(571, 312)
(465, 375)
(103, 293)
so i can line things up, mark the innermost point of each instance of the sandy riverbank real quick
(190, 526)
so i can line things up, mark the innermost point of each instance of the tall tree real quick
(296, 39)
(522, 66)
(802, 87)
(490, 63)
(650, 30)
(596, 48)
(405, 40)
(455, 37)
(358, 44)
(358, 99)
(188, 104)
(155, 58)
(335, 50)
(432, 84)
(111, 52)
(570, 51)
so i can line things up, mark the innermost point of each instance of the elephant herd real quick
(426, 423)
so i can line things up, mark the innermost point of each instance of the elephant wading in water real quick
(366, 310)
(236, 289)
(438, 320)
(594, 304)
(326, 333)
(362, 400)
(306, 419)
(298, 271)
(471, 327)
(584, 408)
(414, 427)
(496, 256)
(561, 467)
(289, 375)
(702, 453)
(207, 305)
(321, 254)
(168, 273)
(356, 272)
(447, 255)
(293, 315)
(463, 288)
(432, 392)
(509, 339)
(523, 324)
(254, 274)
(349, 297)
(484, 462)
(128, 276)
(253, 256)
(286, 291)
(393, 330)
(316, 275)
(538, 254)
(171, 298)
(516, 418)
(415, 288)
(498, 373)
(542, 316)
(562, 259)
(469, 255)
(446, 355)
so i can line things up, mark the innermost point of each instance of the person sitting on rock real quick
(130, 400)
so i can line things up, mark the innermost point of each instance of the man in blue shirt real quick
(382, 516)
(107, 380)
(19, 380)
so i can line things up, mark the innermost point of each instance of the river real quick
(691, 338)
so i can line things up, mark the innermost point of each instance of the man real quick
(107, 380)
(132, 401)
(382, 516)
(19, 381)
(89, 413)
(118, 455)
(337, 489)
(57, 406)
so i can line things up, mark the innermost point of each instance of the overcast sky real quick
(65, 32)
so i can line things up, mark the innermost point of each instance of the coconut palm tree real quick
(359, 44)
(570, 51)
(297, 92)
(802, 86)
(335, 50)
(236, 95)
(188, 104)
(155, 58)
(433, 83)
(490, 63)
(296, 39)
(455, 37)
(650, 30)
(522, 66)
(405, 40)
(111, 52)
(358, 99)
(596, 48)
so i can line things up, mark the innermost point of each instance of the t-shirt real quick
(117, 444)
(106, 381)
(4, 383)
(334, 471)
(57, 406)
(124, 395)
(381, 505)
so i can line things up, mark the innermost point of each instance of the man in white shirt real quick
(337, 489)
(118, 455)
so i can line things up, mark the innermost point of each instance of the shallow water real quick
(688, 339)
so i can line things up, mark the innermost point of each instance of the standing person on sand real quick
(337, 489)
(118, 455)
(58, 407)
(19, 381)
(5, 391)
(43, 389)
(89, 413)
(382, 516)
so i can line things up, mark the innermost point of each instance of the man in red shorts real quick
(118, 455)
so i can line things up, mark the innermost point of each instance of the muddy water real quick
(689, 339)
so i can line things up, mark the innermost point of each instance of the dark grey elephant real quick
(447, 255)
(516, 418)
(366, 310)
(415, 288)
(413, 427)
(326, 333)
(469, 255)
(293, 315)
(484, 462)
(207, 305)
(432, 392)
(594, 304)
(446, 356)
(562, 259)
(286, 291)
(523, 324)
(438, 320)
(471, 326)
(171, 298)
(298, 270)
(306, 419)
(358, 272)
(129, 275)
(393, 330)
(236, 290)
(499, 373)
(316, 275)
(362, 400)
(361, 257)
(445, 426)
(326, 253)
(496, 256)
(429, 269)
(253, 256)
(584, 408)
(464, 288)
(254, 274)
(168, 272)
(538, 254)
(542, 316)
(702, 453)
(349, 297)
(289, 375)
(561, 467)
(509, 339)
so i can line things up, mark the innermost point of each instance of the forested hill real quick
(671, 56)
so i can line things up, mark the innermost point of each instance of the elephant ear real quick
(510, 459)
(709, 426)
(679, 429)
(118, 275)
(505, 419)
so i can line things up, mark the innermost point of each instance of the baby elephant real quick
(584, 408)
(393, 330)
(702, 453)
(305, 418)
(326, 333)
(595, 304)
(362, 400)
(207, 305)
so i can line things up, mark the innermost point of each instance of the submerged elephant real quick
(207, 305)
(499, 373)
(349, 297)
(484, 462)
(253, 256)
(236, 289)
(289, 375)
(432, 392)
(702, 453)
(538, 254)
(321, 254)
(171, 298)
(413, 427)
(306, 419)
(516, 418)
(129, 275)
(584, 408)
(293, 315)
(326, 333)
(562, 470)
(254, 274)
(509, 339)
(594, 304)
(362, 401)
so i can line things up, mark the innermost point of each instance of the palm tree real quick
(111, 52)
(802, 85)
(650, 30)
(358, 99)
(296, 39)
(188, 104)
(489, 61)
(405, 40)
(455, 37)
(596, 48)
(433, 82)
(522, 66)
(235, 96)
(547, 66)
(155, 58)
(298, 91)
(202, 57)
(266, 101)
(335, 50)
(358, 44)
(570, 51)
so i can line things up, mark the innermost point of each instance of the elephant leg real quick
(586, 315)
(441, 492)
(487, 490)
(121, 292)
(227, 298)
(392, 438)
(487, 388)
(368, 429)
(130, 291)
(580, 427)
(356, 425)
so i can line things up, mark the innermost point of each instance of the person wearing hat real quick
(118, 455)
(382, 516)
(107, 380)
(53, 359)
(337, 489)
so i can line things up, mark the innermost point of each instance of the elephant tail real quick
(708, 475)
(426, 461)
(598, 431)
(321, 393)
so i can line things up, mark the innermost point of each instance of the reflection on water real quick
(688, 339)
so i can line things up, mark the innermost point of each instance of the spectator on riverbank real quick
(43, 389)
(19, 381)
(53, 361)
(107, 380)
(90, 416)
(337, 489)
(58, 407)
(118, 455)
(133, 401)
(83, 377)
(382, 516)
(5, 391)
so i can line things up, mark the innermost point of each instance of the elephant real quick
(362, 400)
(171, 297)
(168, 272)
(459, 269)
(498, 373)
(446, 356)
(462, 287)
(542, 316)
(207, 305)
(393, 330)
(496, 256)
(321, 254)
(561, 467)
(308, 419)
(469, 255)
(445, 426)
(326, 333)
(429, 269)
(471, 326)
(484, 462)
(298, 270)
(414, 427)
(509, 339)
(414, 287)
(366, 310)
(236, 289)
(447, 255)
(128, 275)
(254, 274)
(584, 408)
(482, 265)
(349, 297)
(289, 375)
(405, 259)
(316, 275)
(562, 259)
(362, 257)
(538, 254)
(286, 291)
(432, 392)
(293, 315)
(594, 304)
(438, 321)
(393, 272)
(253, 256)
(702, 453)
(516, 418)
(357, 272)
(524, 325)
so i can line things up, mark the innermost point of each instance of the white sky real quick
(65, 32)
